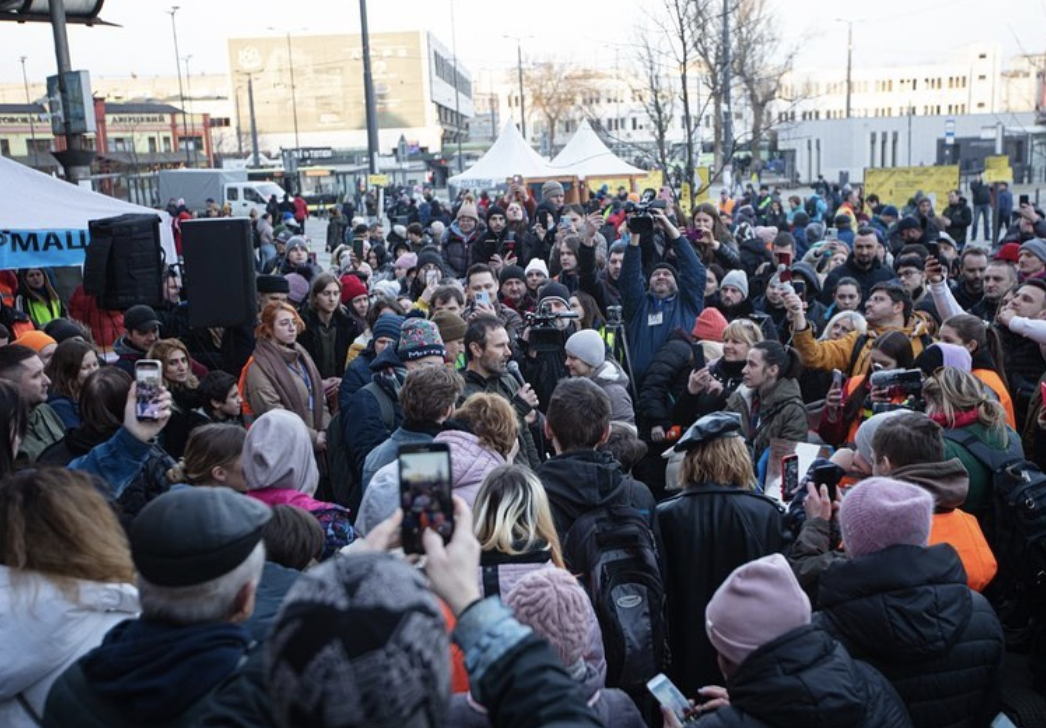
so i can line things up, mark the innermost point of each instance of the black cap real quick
(272, 284)
(708, 428)
(140, 318)
(192, 535)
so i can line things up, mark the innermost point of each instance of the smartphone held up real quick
(425, 493)
(148, 377)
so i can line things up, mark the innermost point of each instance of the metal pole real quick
(181, 90)
(192, 117)
(28, 101)
(294, 93)
(75, 160)
(255, 160)
(522, 102)
(457, 90)
(728, 121)
(239, 123)
(368, 94)
(849, 63)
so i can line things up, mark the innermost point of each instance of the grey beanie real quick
(736, 279)
(866, 433)
(588, 346)
(1036, 247)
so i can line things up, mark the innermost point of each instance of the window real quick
(871, 151)
(152, 145)
(40, 146)
(5, 147)
(252, 196)
(167, 144)
(232, 194)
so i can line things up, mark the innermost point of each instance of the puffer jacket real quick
(457, 249)
(470, 462)
(612, 378)
(665, 383)
(806, 678)
(907, 611)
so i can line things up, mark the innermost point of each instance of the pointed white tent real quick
(585, 155)
(509, 155)
(43, 220)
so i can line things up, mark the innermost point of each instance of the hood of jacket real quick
(124, 349)
(155, 671)
(470, 460)
(808, 273)
(803, 678)
(904, 604)
(579, 481)
(948, 482)
(456, 235)
(610, 372)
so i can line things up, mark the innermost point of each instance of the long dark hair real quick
(15, 412)
(785, 358)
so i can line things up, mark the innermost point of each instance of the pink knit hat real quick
(553, 604)
(881, 512)
(757, 603)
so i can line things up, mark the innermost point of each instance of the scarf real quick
(961, 419)
(280, 366)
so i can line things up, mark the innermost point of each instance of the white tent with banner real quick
(509, 155)
(586, 156)
(43, 220)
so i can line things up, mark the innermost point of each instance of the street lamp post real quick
(368, 94)
(192, 117)
(849, 61)
(519, 72)
(181, 90)
(294, 91)
(28, 101)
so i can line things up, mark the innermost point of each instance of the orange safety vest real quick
(994, 382)
(962, 532)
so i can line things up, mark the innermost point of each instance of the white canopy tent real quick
(43, 220)
(510, 155)
(585, 155)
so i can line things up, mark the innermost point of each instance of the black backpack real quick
(613, 551)
(1019, 491)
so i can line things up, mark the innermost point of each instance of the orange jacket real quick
(994, 382)
(963, 533)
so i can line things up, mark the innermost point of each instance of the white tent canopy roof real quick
(509, 155)
(33, 201)
(585, 155)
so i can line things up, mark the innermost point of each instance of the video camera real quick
(544, 334)
(640, 217)
(615, 317)
(908, 382)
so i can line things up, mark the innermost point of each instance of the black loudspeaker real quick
(219, 272)
(124, 262)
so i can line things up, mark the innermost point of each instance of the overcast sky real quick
(886, 32)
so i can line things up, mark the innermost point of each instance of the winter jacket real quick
(456, 250)
(878, 273)
(907, 611)
(44, 631)
(708, 531)
(948, 483)
(843, 354)
(612, 378)
(979, 496)
(505, 386)
(333, 518)
(127, 355)
(806, 678)
(386, 452)
(961, 217)
(666, 382)
(106, 326)
(362, 422)
(650, 320)
(147, 673)
(356, 376)
(344, 332)
(44, 428)
(594, 282)
(782, 415)
(689, 407)
(579, 482)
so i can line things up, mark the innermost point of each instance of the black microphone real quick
(513, 369)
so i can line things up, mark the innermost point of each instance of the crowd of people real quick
(616, 383)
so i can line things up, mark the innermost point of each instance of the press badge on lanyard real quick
(655, 319)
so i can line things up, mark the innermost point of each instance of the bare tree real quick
(658, 98)
(556, 91)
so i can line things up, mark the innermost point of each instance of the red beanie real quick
(351, 287)
(1009, 251)
(710, 325)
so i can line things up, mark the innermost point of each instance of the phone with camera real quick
(1022, 200)
(935, 251)
(482, 298)
(829, 476)
(431, 277)
(148, 376)
(799, 287)
(837, 378)
(517, 179)
(789, 475)
(669, 696)
(425, 493)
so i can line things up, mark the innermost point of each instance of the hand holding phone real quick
(148, 376)
(789, 476)
(829, 476)
(670, 697)
(425, 493)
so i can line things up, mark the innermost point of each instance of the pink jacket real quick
(470, 462)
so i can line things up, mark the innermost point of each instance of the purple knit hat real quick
(757, 603)
(881, 512)
(553, 604)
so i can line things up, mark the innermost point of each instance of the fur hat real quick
(881, 512)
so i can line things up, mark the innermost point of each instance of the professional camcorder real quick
(640, 217)
(900, 382)
(545, 335)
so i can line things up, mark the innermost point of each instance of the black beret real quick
(189, 536)
(708, 428)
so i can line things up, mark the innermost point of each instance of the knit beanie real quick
(881, 512)
(1036, 247)
(387, 326)
(554, 291)
(298, 287)
(511, 273)
(758, 602)
(407, 261)
(866, 433)
(666, 266)
(1009, 252)
(536, 264)
(940, 354)
(297, 241)
(494, 210)
(710, 325)
(468, 209)
(551, 188)
(738, 280)
(814, 233)
(551, 602)
(766, 234)
(451, 326)
(429, 256)
(61, 329)
(278, 454)
(359, 641)
(35, 340)
(351, 288)
(419, 338)
(588, 346)
(800, 220)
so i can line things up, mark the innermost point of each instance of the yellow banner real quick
(997, 169)
(999, 162)
(655, 180)
(685, 198)
(898, 185)
(612, 183)
(377, 180)
(702, 178)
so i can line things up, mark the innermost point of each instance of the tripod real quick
(615, 326)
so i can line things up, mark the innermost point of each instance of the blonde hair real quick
(860, 325)
(163, 349)
(744, 331)
(491, 419)
(951, 391)
(512, 514)
(723, 461)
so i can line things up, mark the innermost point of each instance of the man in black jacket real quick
(982, 207)
(863, 265)
(958, 216)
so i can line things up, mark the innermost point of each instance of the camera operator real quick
(673, 300)
(543, 341)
